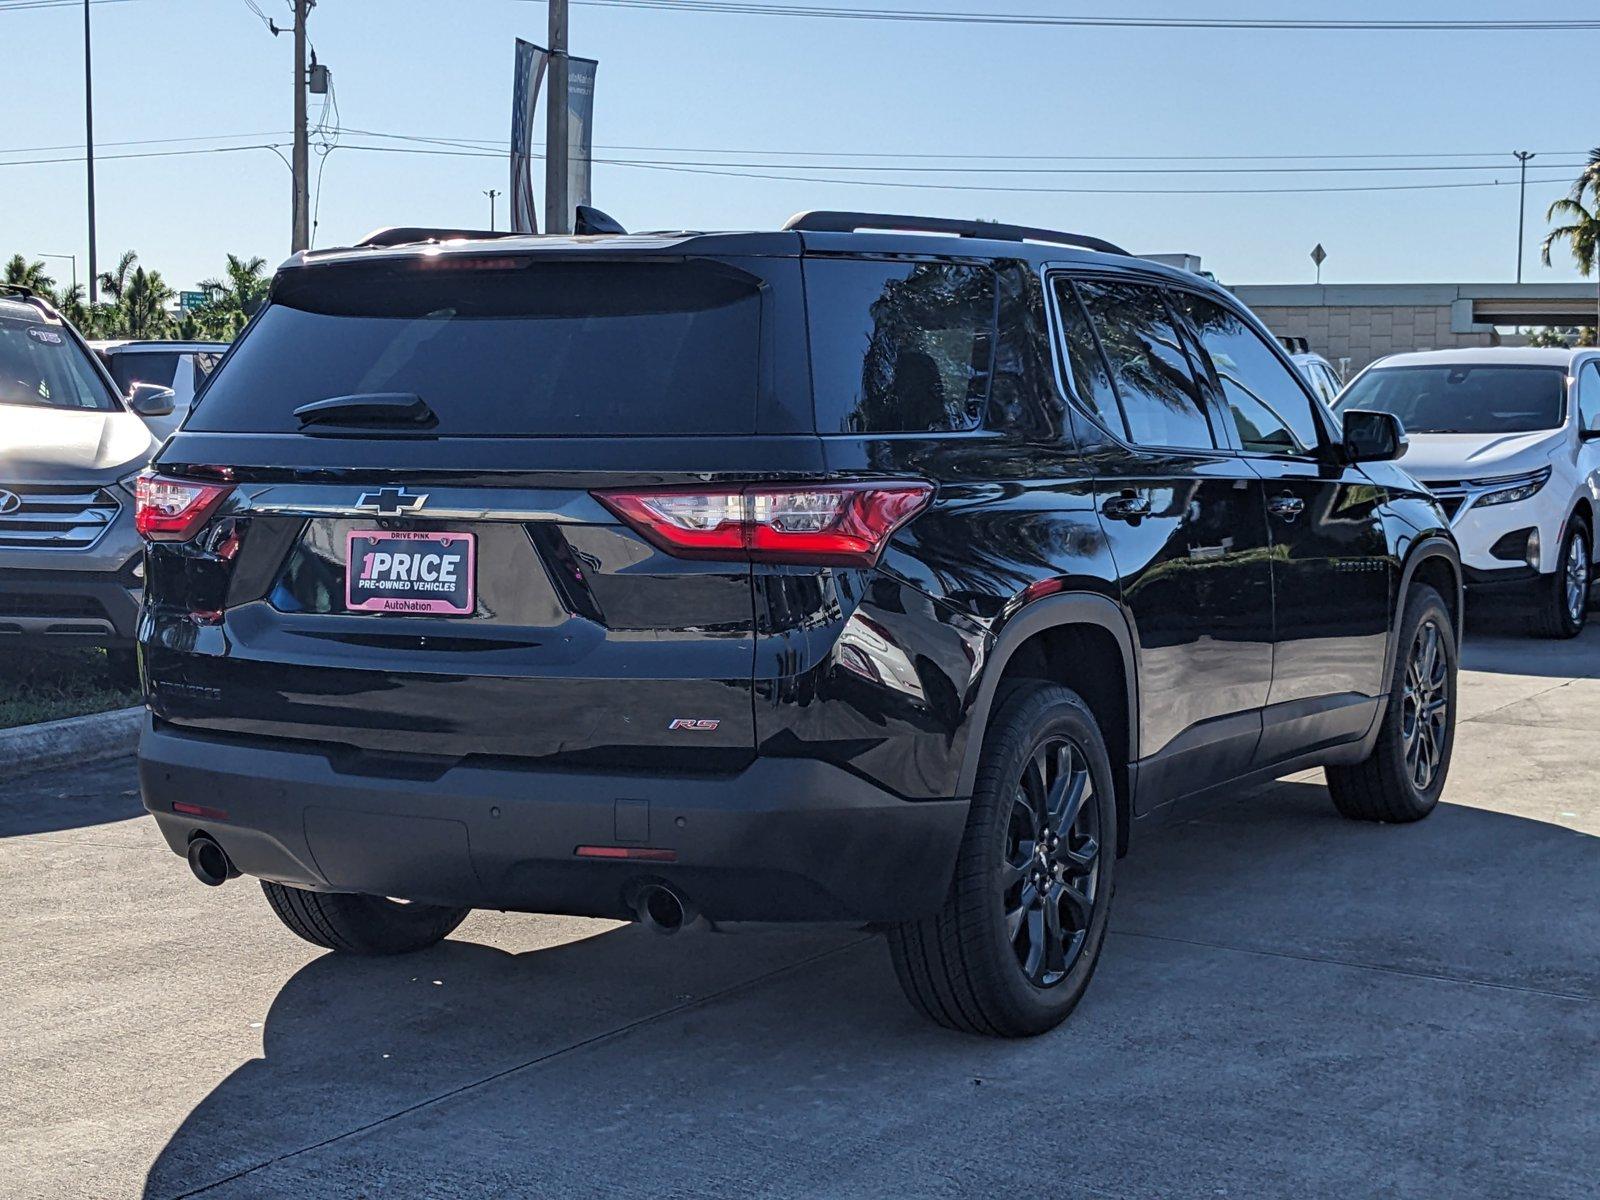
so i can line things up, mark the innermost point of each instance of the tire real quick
(983, 963)
(1563, 605)
(351, 924)
(1390, 785)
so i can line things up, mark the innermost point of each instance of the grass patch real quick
(48, 684)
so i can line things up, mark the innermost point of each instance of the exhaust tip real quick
(662, 909)
(209, 862)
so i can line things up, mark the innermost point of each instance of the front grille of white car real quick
(55, 516)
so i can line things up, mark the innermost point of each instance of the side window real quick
(900, 347)
(1149, 369)
(1092, 381)
(1589, 396)
(1331, 382)
(1269, 404)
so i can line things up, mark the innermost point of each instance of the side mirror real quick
(1590, 430)
(1372, 436)
(151, 399)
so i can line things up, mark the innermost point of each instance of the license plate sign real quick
(408, 572)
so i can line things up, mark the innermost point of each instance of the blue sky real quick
(761, 89)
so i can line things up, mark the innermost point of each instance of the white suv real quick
(1507, 440)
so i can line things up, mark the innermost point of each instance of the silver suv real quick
(71, 567)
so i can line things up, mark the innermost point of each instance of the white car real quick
(1509, 441)
(181, 366)
(1319, 373)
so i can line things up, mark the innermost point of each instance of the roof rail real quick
(402, 235)
(825, 221)
(27, 293)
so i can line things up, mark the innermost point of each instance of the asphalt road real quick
(1289, 1005)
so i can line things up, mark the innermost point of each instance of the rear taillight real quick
(173, 510)
(825, 524)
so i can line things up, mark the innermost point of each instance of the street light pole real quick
(88, 139)
(74, 259)
(557, 212)
(1522, 156)
(491, 193)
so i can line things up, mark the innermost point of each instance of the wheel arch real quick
(1082, 641)
(1436, 562)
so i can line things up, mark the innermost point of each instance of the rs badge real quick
(697, 724)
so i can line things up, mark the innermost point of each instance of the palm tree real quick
(1582, 235)
(144, 304)
(114, 282)
(232, 299)
(28, 274)
(1589, 178)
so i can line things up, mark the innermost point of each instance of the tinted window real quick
(1149, 369)
(1092, 383)
(1464, 398)
(42, 367)
(1589, 397)
(144, 367)
(508, 348)
(899, 347)
(1270, 408)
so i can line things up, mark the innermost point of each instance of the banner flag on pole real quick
(580, 126)
(531, 62)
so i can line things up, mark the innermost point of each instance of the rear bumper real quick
(783, 840)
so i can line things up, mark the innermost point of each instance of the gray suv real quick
(71, 567)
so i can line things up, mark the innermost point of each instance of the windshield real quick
(1460, 398)
(505, 348)
(42, 367)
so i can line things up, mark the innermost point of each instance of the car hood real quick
(52, 444)
(1454, 456)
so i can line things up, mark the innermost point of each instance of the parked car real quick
(71, 568)
(853, 572)
(1506, 438)
(1324, 379)
(181, 366)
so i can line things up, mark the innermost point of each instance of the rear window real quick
(1464, 398)
(129, 369)
(42, 367)
(900, 347)
(511, 347)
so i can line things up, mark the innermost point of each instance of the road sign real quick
(189, 301)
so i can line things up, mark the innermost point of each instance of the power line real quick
(843, 12)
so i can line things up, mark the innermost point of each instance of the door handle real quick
(1286, 507)
(1129, 506)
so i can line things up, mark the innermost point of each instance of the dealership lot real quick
(1289, 1004)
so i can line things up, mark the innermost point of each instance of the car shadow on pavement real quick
(55, 800)
(1498, 646)
(1289, 1003)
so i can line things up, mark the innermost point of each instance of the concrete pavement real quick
(1289, 1005)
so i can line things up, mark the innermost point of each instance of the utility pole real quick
(74, 260)
(491, 193)
(300, 237)
(557, 210)
(1522, 156)
(88, 139)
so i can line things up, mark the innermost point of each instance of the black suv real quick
(855, 572)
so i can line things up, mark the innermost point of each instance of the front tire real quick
(1564, 603)
(368, 925)
(1401, 779)
(1017, 940)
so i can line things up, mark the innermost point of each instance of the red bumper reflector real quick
(199, 810)
(636, 853)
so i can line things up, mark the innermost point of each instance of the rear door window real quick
(42, 367)
(1154, 380)
(144, 366)
(900, 347)
(1270, 408)
(505, 347)
(1089, 374)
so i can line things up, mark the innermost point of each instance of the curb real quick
(72, 740)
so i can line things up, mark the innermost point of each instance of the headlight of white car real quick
(1516, 487)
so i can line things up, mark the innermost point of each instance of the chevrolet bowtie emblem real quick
(390, 502)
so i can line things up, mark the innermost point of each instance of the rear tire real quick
(351, 924)
(1563, 606)
(1017, 940)
(1402, 778)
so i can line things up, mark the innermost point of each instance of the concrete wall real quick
(1361, 333)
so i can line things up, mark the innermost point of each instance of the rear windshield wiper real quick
(370, 410)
